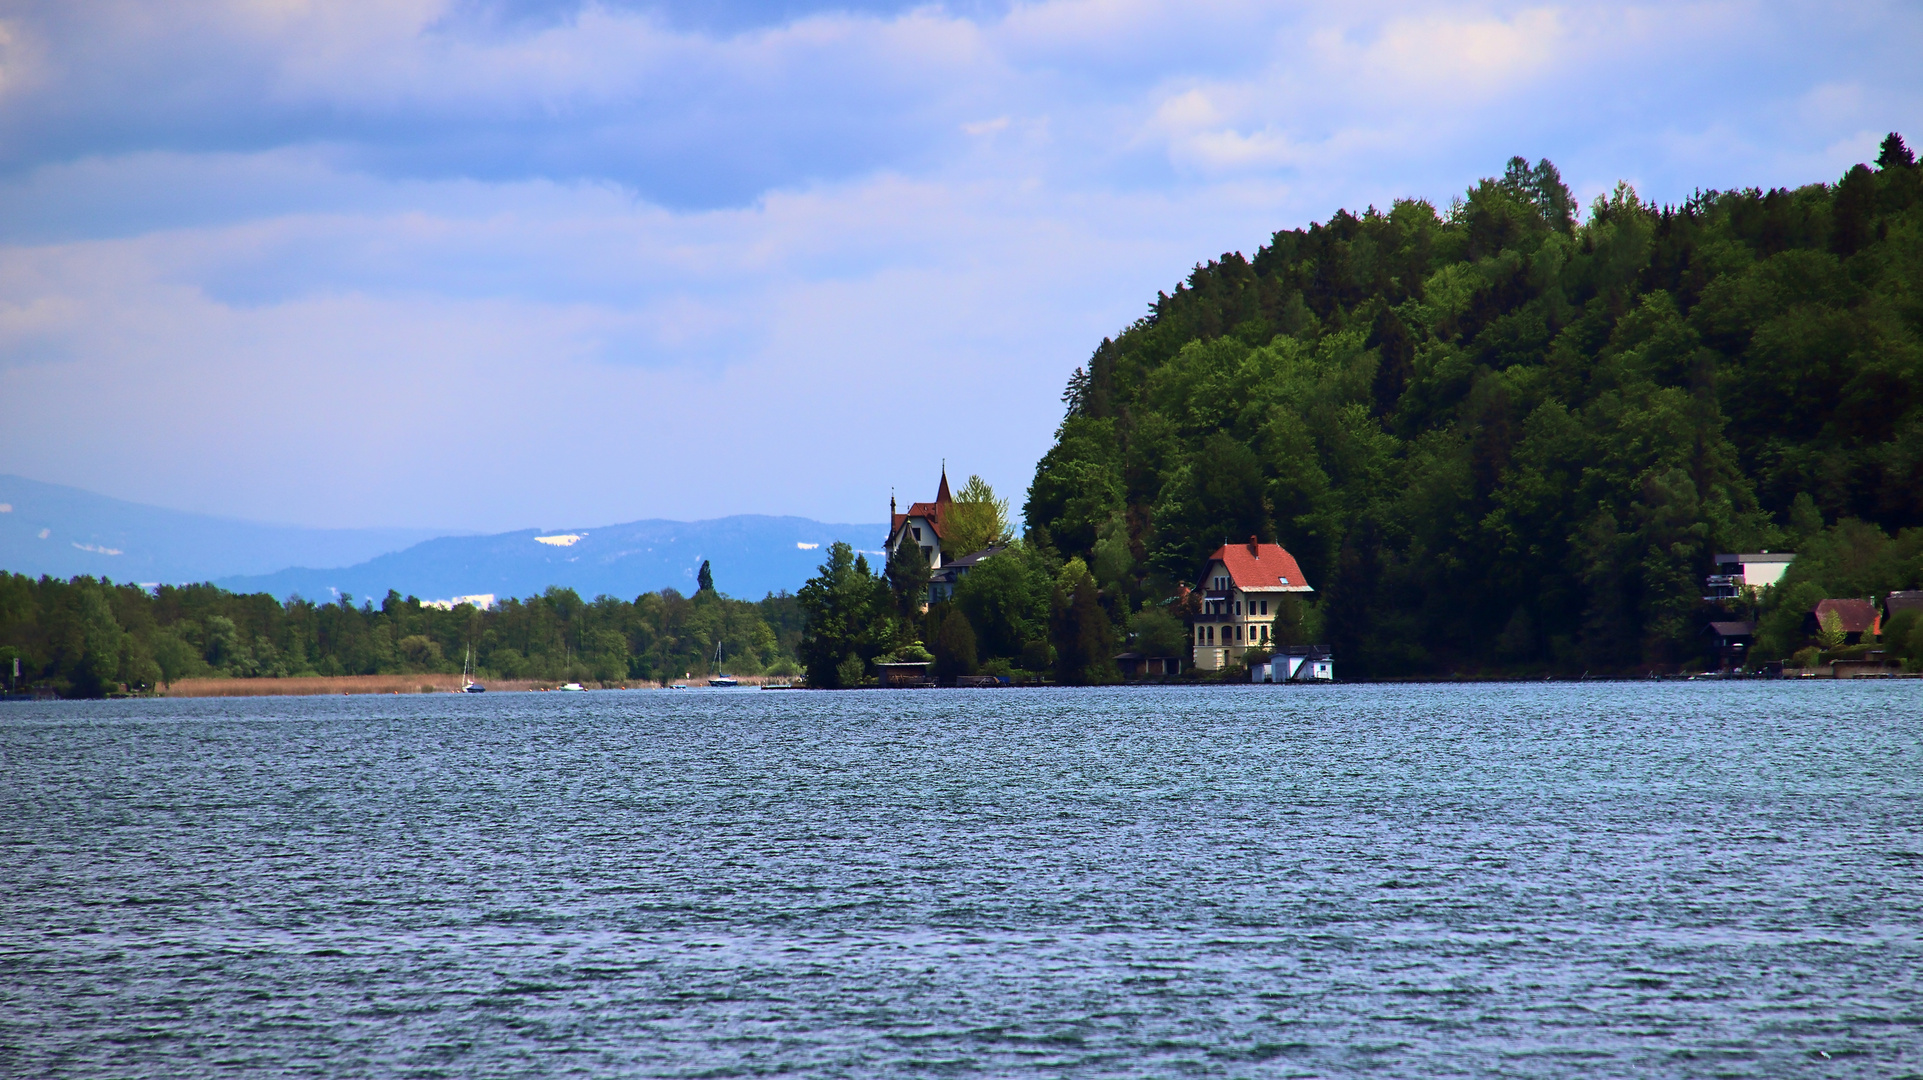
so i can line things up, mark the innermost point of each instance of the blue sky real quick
(488, 264)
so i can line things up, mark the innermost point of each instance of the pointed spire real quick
(942, 496)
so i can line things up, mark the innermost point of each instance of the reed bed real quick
(338, 684)
(405, 684)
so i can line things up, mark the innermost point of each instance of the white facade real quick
(1741, 574)
(1282, 669)
(917, 531)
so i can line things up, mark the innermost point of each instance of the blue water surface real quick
(1592, 880)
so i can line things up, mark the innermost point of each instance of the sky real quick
(495, 264)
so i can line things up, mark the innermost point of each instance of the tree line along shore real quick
(87, 637)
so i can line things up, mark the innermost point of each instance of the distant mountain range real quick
(751, 556)
(62, 531)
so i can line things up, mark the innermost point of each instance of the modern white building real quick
(1737, 574)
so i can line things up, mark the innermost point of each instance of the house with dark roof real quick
(1731, 640)
(941, 584)
(1858, 618)
(1900, 601)
(1239, 598)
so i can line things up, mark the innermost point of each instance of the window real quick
(1265, 633)
(1198, 635)
(1238, 633)
(1238, 607)
(918, 536)
(1265, 607)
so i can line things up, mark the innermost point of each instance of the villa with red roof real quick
(924, 525)
(921, 525)
(1240, 593)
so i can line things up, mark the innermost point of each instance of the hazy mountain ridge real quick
(752, 555)
(60, 531)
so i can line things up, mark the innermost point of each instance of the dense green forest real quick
(1502, 439)
(88, 637)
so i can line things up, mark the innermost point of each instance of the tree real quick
(1829, 633)
(908, 574)
(1006, 601)
(841, 606)
(975, 520)
(1159, 633)
(1894, 154)
(704, 581)
(1084, 638)
(954, 643)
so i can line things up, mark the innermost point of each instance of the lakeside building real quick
(924, 525)
(1900, 601)
(941, 584)
(1731, 639)
(1240, 593)
(1858, 618)
(1295, 663)
(1135, 665)
(921, 525)
(1740, 575)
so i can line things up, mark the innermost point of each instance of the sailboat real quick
(468, 685)
(720, 679)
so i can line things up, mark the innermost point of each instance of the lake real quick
(1561, 880)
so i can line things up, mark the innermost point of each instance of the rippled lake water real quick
(1561, 880)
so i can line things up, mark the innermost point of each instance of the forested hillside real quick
(86, 637)
(1498, 437)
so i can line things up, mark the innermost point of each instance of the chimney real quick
(1254, 548)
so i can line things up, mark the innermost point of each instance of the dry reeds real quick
(400, 684)
(337, 684)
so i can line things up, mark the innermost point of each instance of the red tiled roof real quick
(1259, 566)
(1858, 616)
(928, 511)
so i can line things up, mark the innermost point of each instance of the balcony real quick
(1723, 586)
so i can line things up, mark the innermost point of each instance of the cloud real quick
(482, 263)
